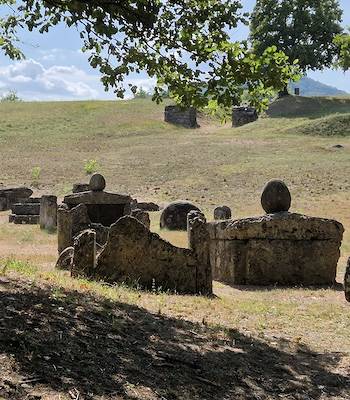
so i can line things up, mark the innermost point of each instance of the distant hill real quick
(310, 87)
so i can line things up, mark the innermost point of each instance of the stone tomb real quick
(103, 207)
(282, 248)
(278, 248)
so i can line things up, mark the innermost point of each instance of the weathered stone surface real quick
(69, 223)
(243, 115)
(276, 197)
(24, 219)
(282, 248)
(174, 215)
(84, 258)
(10, 196)
(101, 233)
(134, 254)
(80, 187)
(65, 259)
(97, 183)
(145, 206)
(222, 213)
(48, 213)
(347, 281)
(199, 243)
(186, 117)
(26, 208)
(141, 216)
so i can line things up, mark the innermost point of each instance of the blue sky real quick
(56, 69)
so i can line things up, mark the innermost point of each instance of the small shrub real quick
(91, 166)
(10, 97)
(36, 171)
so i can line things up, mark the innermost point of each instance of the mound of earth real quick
(331, 125)
(298, 106)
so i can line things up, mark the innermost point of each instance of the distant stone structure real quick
(27, 212)
(174, 215)
(133, 254)
(222, 212)
(278, 248)
(297, 91)
(10, 196)
(243, 115)
(186, 117)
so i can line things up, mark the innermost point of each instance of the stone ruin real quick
(243, 115)
(186, 117)
(26, 212)
(133, 254)
(278, 248)
(11, 196)
(174, 215)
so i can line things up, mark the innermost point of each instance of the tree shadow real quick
(337, 287)
(63, 340)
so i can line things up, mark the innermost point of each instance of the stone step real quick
(26, 208)
(24, 219)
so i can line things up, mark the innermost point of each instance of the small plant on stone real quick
(35, 173)
(91, 166)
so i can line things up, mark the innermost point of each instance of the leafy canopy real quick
(184, 44)
(343, 44)
(302, 29)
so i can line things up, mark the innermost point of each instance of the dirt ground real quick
(60, 344)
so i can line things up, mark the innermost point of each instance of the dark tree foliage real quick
(184, 44)
(303, 29)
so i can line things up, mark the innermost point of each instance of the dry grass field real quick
(71, 339)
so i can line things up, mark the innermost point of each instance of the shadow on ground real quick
(71, 343)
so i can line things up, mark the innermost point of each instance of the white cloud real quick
(32, 81)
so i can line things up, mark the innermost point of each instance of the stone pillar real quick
(297, 91)
(198, 242)
(48, 213)
(141, 216)
(222, 213)
(64, 228)
(84, 258)
(347, 281)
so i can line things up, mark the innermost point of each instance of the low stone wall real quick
(186, 117)
(282, 248)
(133, 254)
(27, 212)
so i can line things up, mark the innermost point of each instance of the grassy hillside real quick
(72, 339)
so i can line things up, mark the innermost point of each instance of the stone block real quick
(243, 115)
(26, 208)
(222, 213)
(282, 248)
(48, 213)
(174, 215)
(186, 117)
(80, 187)
(347, 281)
